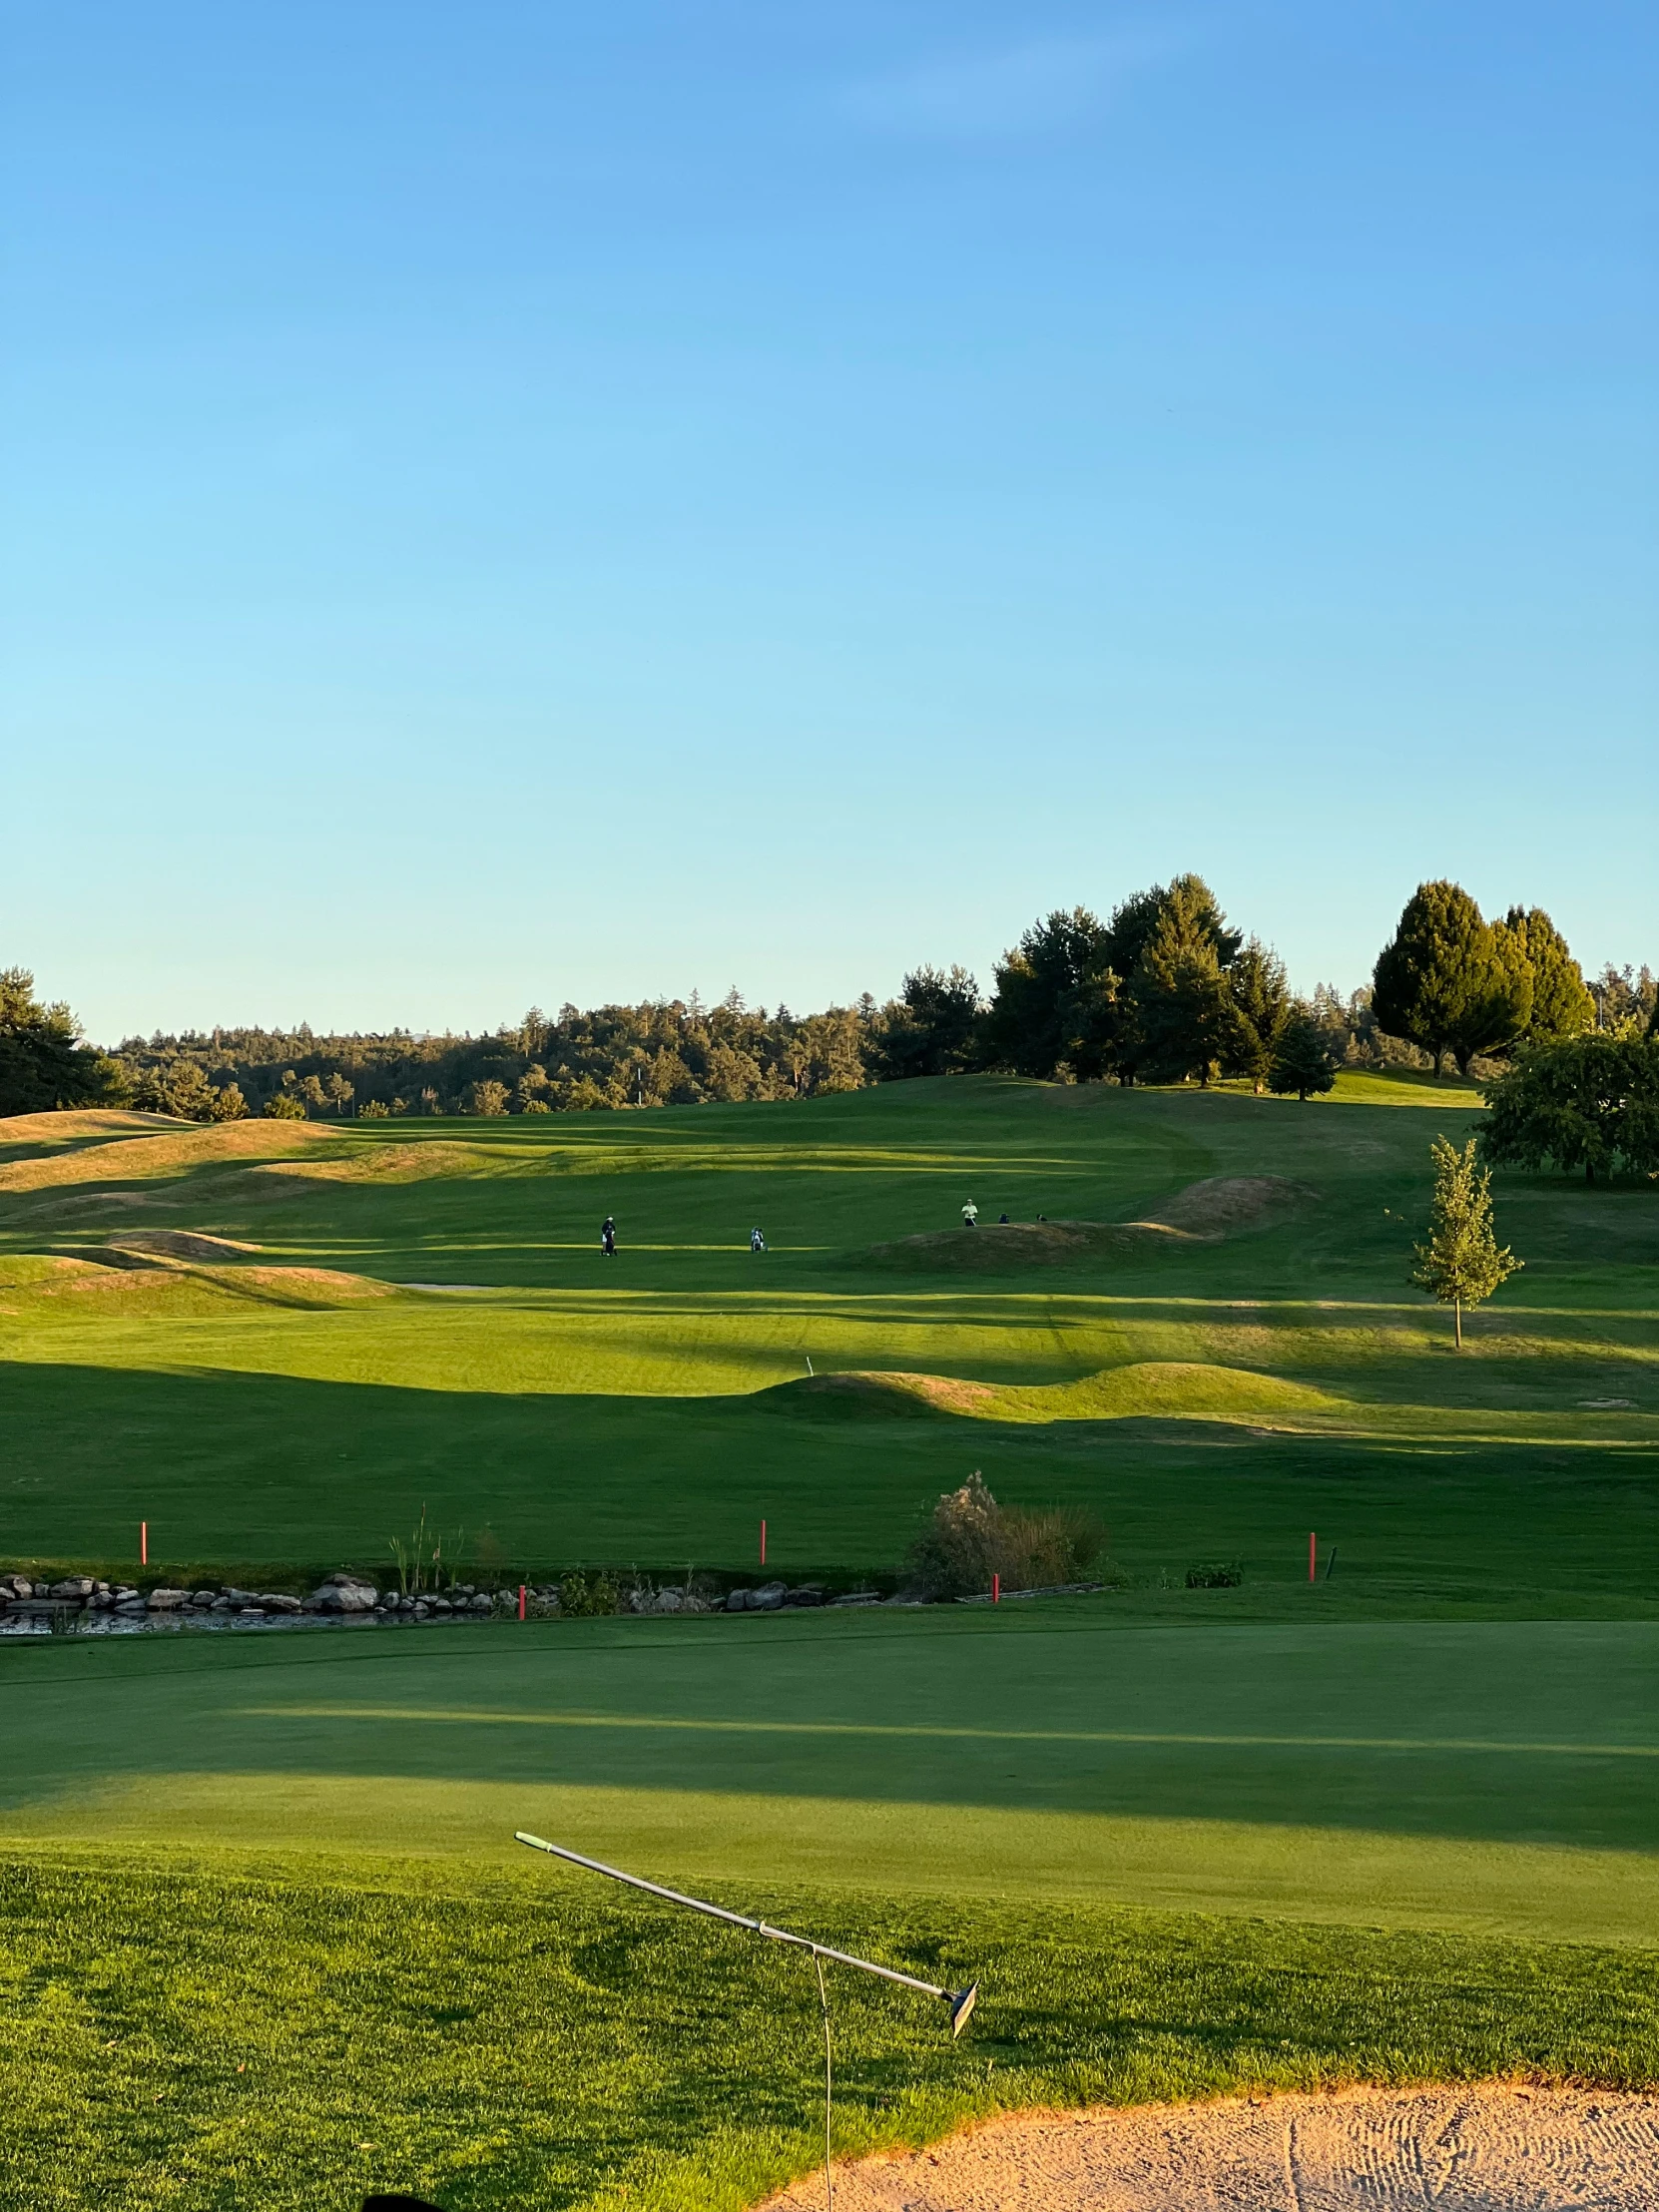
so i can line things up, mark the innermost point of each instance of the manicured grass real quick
(1402, 1823)
(210, 2038)
(1211, 1396)
(1493, 1776)
(216, 2040)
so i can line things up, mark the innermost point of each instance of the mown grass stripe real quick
(463, 1716)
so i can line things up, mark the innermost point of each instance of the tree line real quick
(1163, 990)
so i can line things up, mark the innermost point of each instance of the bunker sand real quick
(1491, 2147)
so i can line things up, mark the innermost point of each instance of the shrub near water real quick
(971, 1537)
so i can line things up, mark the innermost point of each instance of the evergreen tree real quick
(1305, 1062)
(930, 1028)
(1561, 1001)
(228, 1104)
(43, 1065)
(1122, 1045)
(186, 1091)
(1052, 991)
(284, 1106)
(1445, 982)
(1462, 1264)
(1179, 988)
(1259, 1005)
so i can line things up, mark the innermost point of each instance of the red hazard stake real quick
(143, 1543)
(1313, 1556)
(997, 1589)
(763, 1544)
(521, 1601)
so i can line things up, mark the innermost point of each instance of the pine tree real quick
(1052, 991)
(1304, 1062)
(1562, 1002)
(1183, 1012)
(1447, 981)
(1261, 1011)
(43, 1063)
(1463, 1262)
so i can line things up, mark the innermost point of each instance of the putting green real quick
(1489, 1776)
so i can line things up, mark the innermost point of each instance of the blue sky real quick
(521, 502)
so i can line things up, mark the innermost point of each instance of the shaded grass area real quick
(263, 1470)
(207, 2039)
(1491, 1776)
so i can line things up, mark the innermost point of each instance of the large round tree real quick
(1448, 981)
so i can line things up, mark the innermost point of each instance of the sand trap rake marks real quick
(961, 2002)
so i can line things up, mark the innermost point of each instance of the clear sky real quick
(518, 501)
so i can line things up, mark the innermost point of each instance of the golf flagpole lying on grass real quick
(961, 2002)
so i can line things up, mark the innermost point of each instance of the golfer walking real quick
(757, 1243)
(970, 1214)
(607, 1238)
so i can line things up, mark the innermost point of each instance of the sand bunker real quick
(1488, 2148)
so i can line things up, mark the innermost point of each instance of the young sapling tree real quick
(1463, 1262)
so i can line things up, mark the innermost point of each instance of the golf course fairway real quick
(264, 1936)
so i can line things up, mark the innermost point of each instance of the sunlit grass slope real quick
(215, 1331)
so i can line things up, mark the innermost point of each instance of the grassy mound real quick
(69, 1292)
(873, 1396)
(174, 1148)
(67, 1124)
(178, 1244)
(1159, 1388)
(1204, 1213)
(1225, 1204)
(399, 1163)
